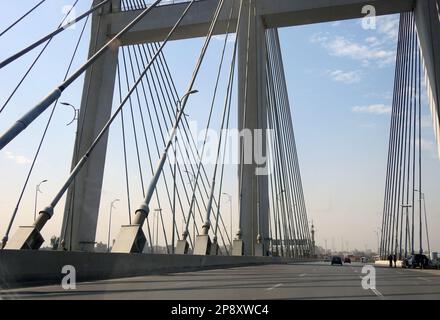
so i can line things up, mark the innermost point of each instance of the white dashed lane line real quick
(423, 279)
(375, 291)
(274, 287)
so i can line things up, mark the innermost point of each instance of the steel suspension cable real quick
(207, 222)
(153, 88)
(398, 165)
(143, 210)
(124, 146)
(190, 145)
(51, 35)
(385, 219)
(137, 144)
(152, 126)
(160, 127)
(288, 138)
(197, 176)
(278, 176)
(274, 69)
(388, 208)
(34, 62)
(22, 17)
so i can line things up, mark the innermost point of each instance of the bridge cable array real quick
(149, 107)
(144, 209)
(69, 80)
(143, 53)
(42, 139)
(38, 109)
(402, 213)
(289, 229)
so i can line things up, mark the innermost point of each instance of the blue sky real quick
(340, 81)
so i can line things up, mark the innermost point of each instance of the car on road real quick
(416, 261)
(347, 260)
(336, 260)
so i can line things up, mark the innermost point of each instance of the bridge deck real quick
(294, 281)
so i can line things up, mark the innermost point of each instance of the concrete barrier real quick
(386, 263)
(25, 267)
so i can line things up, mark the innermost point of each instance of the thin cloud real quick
(19, 159)
(377, 49)
(342, 47)
(375, 109)
(388, 26)
(347, 77)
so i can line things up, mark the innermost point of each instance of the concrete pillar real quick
(83, 198)
(428, 29)
(252, 75)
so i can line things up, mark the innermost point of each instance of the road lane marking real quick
(377, 293)
(427, 280)
(274, 287)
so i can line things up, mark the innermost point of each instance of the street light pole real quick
(37, 190)
(110, 223)
(158, 213)
(406, 229)
(377, 240)
(70, 209)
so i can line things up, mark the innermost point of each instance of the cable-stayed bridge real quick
(128, 81)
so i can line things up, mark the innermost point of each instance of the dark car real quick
(416, 261)
(337, 260)
(347, 260)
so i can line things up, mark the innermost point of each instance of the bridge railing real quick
(130, 5)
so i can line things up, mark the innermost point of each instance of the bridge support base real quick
(202, 246)
(26, 238)
(238, 248)
(259, 250)
(182, 247)
(131, 239)
(214, 249)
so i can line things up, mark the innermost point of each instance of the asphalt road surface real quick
(295, 281)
